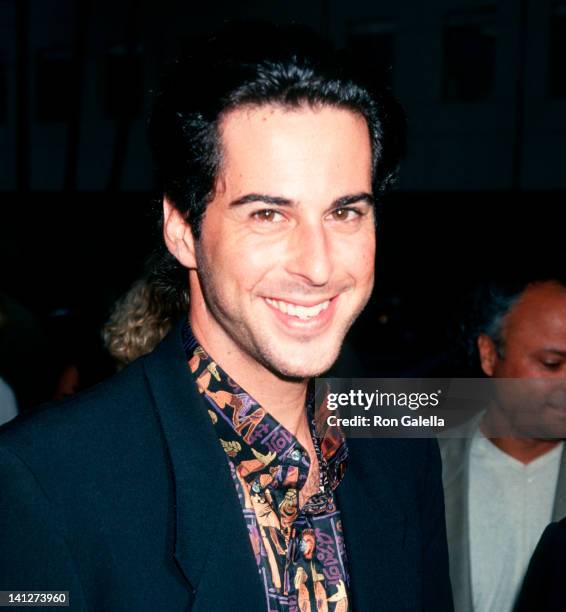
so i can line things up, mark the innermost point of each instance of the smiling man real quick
(195, 479)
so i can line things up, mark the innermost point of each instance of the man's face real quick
(285, 260)
(534, 349)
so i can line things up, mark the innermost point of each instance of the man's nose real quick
(310, 253)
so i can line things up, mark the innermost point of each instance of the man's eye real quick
(346, 214)
(267, 215)
(552, 365)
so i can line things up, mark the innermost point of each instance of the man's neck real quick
(524, 450)
(283, 398)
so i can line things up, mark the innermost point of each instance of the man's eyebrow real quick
(279, 201)
(261, 197)
(352, 199)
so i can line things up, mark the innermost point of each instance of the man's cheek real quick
(260, 258)
(361, 263)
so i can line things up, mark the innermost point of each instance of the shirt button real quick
(296, 455)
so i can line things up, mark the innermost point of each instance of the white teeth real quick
(301, 312)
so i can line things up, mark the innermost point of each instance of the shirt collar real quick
(245, 427)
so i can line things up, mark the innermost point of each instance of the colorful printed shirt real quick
(300, 552)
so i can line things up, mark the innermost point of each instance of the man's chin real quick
(303, 369)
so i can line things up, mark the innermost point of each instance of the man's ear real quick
(488, 354)
(178, 235)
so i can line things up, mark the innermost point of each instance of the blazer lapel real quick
(559, 511)
(374, 530)
(455, 453)
(212, 547)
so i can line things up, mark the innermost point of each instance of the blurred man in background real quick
(505, 477)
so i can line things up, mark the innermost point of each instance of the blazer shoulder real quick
(455, 445)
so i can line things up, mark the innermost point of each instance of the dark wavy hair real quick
(255, 64)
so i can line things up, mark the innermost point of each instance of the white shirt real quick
(510, 504)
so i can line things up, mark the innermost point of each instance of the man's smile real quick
(313, 318)
(298, 310)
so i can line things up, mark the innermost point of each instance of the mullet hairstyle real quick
(252, 65)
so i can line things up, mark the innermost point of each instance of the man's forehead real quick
(541, 309)
(274, 143)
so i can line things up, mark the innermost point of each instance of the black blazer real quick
(544, 587)
(123, 496)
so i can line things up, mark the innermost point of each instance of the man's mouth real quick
(297, 310)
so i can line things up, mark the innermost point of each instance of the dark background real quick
(481, 191)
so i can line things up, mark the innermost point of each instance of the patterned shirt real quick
(300, 552)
